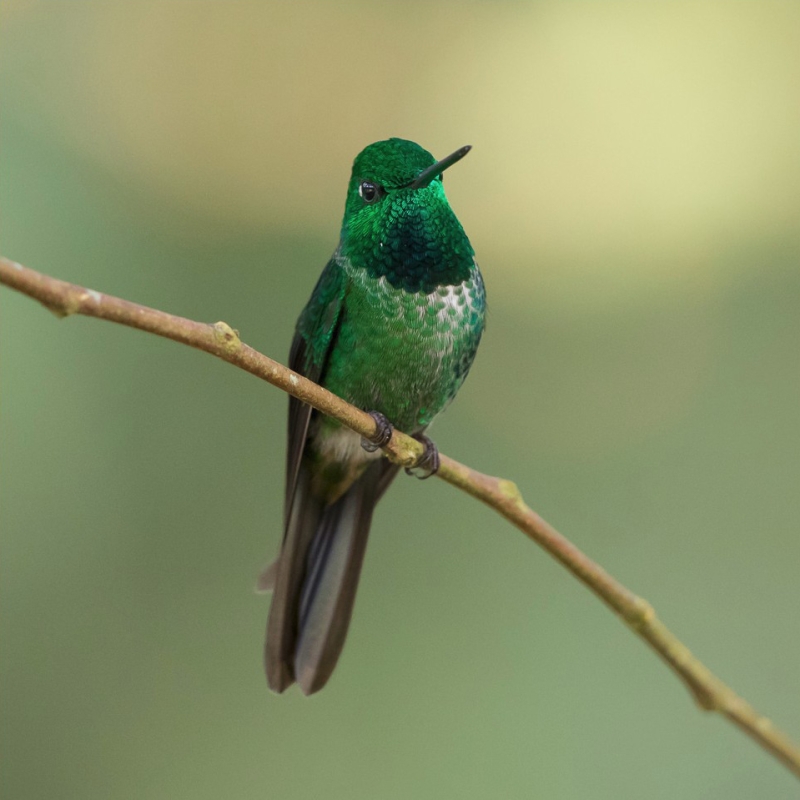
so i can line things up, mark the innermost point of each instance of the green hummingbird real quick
(392, 327)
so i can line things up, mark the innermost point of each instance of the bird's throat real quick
(416, 243)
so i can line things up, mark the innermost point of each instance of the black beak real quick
(427, 175)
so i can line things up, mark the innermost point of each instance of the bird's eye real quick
(369, 192)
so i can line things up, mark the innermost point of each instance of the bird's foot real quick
(383, 433)
(428, 463)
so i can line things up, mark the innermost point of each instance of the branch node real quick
(227, 337)
(406, 455)
(510, 490)
(71, 305)
(640, 615)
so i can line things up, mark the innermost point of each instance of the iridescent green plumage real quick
(392, 326)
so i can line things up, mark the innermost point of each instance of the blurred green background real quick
(633, 197)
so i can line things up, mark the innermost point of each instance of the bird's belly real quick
(406, 355)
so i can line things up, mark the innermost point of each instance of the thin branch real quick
(503, 496)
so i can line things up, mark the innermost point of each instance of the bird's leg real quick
(383, 433)
(428, 463)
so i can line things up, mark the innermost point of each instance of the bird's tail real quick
(315, 578)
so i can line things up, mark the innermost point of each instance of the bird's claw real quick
(383, 433)
(428, 462)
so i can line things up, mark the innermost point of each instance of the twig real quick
(503, 496)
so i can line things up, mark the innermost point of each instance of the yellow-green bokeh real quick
(633, 197)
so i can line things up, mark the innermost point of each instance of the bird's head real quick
(397, 221)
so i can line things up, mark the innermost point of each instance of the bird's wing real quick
(311, 346)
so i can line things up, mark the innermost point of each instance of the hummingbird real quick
(392, 327)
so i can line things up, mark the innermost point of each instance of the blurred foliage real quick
(633, 198)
